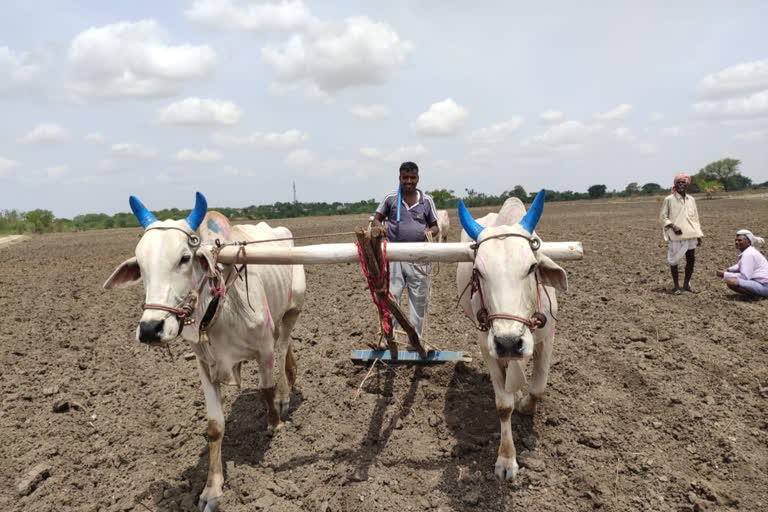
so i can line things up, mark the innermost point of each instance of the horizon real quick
(240, 98)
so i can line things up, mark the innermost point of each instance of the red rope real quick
(386, 318)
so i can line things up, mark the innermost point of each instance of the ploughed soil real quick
(656, 402)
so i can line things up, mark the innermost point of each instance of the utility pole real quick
(294, 193)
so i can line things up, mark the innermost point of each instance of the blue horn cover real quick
(470, 225)
(144, 216)
(197, 215)
(534, 213)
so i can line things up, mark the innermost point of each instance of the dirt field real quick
(656, 402)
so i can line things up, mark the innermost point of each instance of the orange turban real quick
(680, 176)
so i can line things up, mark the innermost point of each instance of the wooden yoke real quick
(372, 256)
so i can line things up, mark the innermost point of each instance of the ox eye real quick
(185, 259)
(532, 269)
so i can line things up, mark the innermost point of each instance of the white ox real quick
(443, 225)
(507, 288)
(250, 325)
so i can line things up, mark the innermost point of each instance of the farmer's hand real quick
(698, 242)
(720, 273)
(676, 229)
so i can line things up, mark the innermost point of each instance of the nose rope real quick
(484, 320)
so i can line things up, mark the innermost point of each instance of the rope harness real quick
(219, 287)
(484, 319)
(380, 285)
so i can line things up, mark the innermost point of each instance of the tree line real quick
(716, 176)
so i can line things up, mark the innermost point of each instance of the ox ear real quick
(204, 258)
(127, 274)
(552, 274)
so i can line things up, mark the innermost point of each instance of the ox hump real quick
(511, 212)
(215, 225)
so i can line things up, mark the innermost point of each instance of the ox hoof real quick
(275, 427)
(527, 405)
(206, 504)
(506, 468)
(282, 407)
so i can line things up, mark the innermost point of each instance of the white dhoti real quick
(678, 248)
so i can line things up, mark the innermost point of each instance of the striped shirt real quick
(414, 220)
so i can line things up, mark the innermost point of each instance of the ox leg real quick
(287, 363)
(542, 354)
(212, 494)
(506, 466)
(266, 362)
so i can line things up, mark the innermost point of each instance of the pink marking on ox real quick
(227, 230)
(270, 362)
(481, 262)
(267, 314)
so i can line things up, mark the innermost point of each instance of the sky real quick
(242, 99)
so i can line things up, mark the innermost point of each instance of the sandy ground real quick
(657, 402)
(10, 239)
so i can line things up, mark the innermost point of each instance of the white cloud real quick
(95, 138)
(623, 133)
(737, 80)
(398, 155)
(204, 155)
(678, 130)
(752, 136)
(133, 150)
(299, 158)
(288, 15)
(134, 60)
(496, 132)
(753, 106)
(480, 152)
(656, 116)
(567, 135)
(45, 133)
(354, 52)
(551, 116)
(16, 69)
(615, 114)
(372, 112)
(5, 166)
(272, 140)
(199, 111)
(442, 118)
(57, 171)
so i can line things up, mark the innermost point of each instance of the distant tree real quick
(519, 192)
(738, 182)
(710, 188)
(442, 197)
(40, 221)
(632, 188)
(596, 191)
(721, 171)
(650, 188)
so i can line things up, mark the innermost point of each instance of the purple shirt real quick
(752, 266)
(414, 220)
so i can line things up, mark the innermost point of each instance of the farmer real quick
(410, 215)
(750, 275)
(680, 221)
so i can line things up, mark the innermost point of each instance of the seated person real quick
(750, 275)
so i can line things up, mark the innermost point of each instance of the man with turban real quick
(680, 227)
(750, 275)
